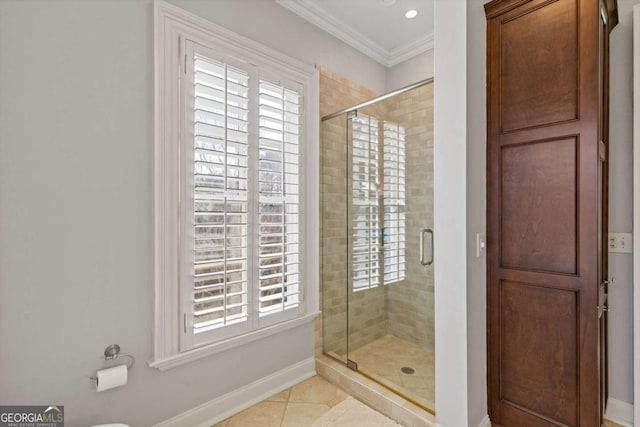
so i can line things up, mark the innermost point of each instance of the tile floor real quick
(304, 404)
(298, 406)
(353, 413)
(383, 358)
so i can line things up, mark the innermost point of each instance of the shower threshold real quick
(373, 393)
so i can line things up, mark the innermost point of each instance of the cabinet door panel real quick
(544, 212)
(529, 325)
(538, 211)
(540, 76)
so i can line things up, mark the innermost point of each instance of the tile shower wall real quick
(367, 316)
(397, 309)
(410, 302)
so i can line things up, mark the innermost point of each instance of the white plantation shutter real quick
(220, 190)
(279, 192)
(394, 202)
(244, 271)
(366, 202)
(365, 205)
(232, 143)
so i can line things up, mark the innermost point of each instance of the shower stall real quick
(377, 240)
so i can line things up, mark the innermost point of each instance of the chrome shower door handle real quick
(423, 233)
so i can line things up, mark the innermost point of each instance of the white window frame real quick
(172, 26)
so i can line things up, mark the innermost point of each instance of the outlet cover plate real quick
(621, 242)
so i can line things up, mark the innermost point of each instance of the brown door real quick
(543, 212)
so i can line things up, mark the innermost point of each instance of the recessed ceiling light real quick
(387, 2)
(411, 14)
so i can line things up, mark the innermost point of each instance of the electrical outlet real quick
(620, 242)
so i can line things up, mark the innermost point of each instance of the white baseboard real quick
(619, 412)
(223, 407)
(486, 422)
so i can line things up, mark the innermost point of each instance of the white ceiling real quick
(380, 32)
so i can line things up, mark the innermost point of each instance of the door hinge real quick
(352, 365)
(184, 322)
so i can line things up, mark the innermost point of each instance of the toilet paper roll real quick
(111, 377)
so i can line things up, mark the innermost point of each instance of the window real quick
(234, 150)
(365, 207)
(394, 203)
(372, 199)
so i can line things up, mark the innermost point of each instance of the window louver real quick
(394, 202)
(279, 189)
(229, 217)
(221, 111)
(365, 204)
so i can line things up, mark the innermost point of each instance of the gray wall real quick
(76, 204)
(476, 211)
(418, 68)
(621, 206)
(275, 26)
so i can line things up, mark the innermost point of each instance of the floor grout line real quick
(286, 405)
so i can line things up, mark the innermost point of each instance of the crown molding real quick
(411, 49)
(311, 12)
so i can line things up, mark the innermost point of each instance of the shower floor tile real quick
(383, 360)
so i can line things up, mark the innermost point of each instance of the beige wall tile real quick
(404, 309)
(410, 302)
(368, 310)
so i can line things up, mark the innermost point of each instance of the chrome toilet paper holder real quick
(113, 352)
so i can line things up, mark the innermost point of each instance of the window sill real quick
(218, 347)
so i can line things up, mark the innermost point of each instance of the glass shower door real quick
(389, 268)
(334, 239)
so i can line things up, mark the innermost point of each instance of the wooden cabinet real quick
(547, 72)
